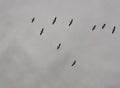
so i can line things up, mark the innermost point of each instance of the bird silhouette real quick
(74, 63)
(70, 22)
(41, 31)
(93, 27)
(54, 20)
(103, 26)
(33, 19)
(113, 29)
(59, 46)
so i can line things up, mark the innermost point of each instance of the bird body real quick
(71, 22)
(74, 63)
(113, 30)
(103, 26)
(41, 31)
(93, 27)
(54, 20)
(33, 19)
(59, 46)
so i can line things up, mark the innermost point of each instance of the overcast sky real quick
(31, 60)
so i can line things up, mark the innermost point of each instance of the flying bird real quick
(74, 63)
(113, 29)
(41, 31)
(58, 46)
(70, 22)
(33, 19)
(93, 27)
(103, 26)
(54, 20)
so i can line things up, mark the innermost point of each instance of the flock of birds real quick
(54, 20)
(70, 23)
(104, 27)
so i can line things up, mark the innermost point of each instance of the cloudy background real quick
(28, 60)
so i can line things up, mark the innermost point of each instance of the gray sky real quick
(28, 60)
